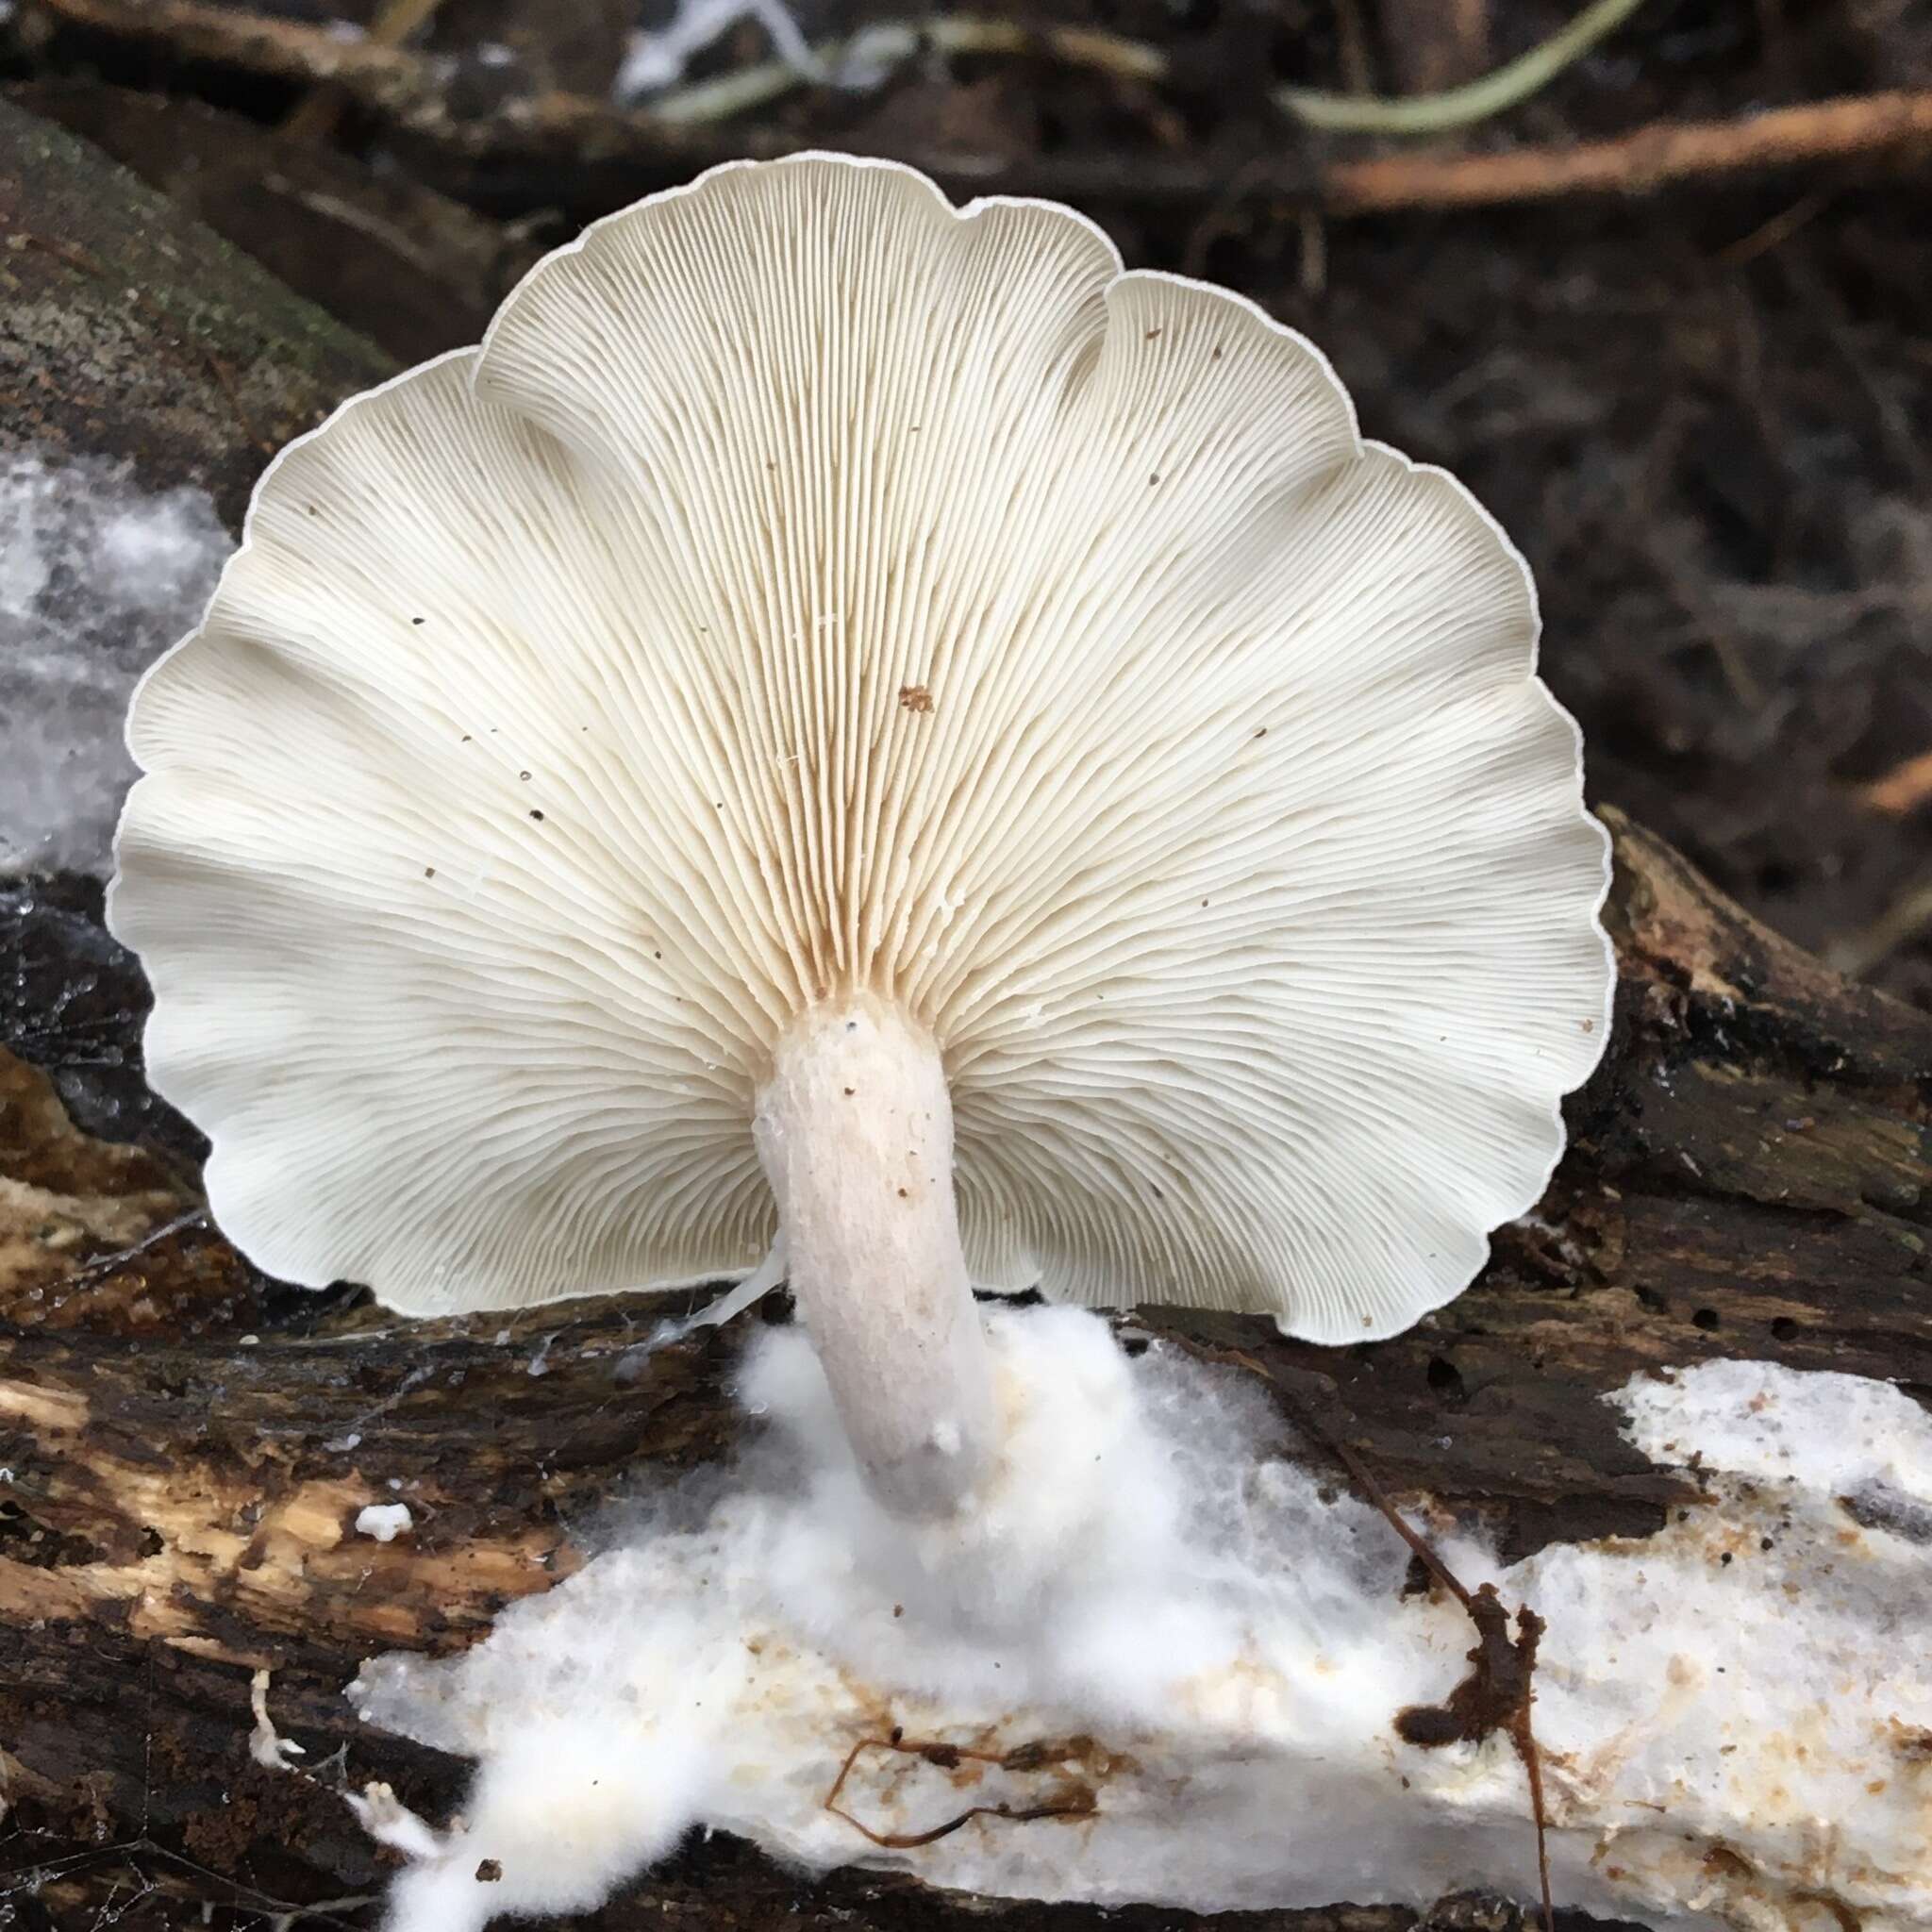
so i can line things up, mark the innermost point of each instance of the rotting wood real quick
(413, 270)
(1749, 1175)
(128, 330)
(187, 1446)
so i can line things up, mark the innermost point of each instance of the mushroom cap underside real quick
(811, 589)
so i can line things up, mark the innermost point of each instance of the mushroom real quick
(855, 735)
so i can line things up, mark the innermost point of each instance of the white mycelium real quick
(1735, 1715)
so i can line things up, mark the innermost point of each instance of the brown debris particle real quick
(1074, 1766)
(915, 697)
(1903, 789)
(489, 1872)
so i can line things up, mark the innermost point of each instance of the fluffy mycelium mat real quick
(1185, 1655)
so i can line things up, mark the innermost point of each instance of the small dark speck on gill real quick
(538, 815)
(419, 620)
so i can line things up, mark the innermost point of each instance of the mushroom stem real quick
(855, 1132)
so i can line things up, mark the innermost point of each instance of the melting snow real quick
(1208, 1645)
(385, 1522)
(97, 578)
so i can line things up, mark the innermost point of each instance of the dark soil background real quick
(1704, 414)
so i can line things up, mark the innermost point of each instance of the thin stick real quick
(1523, 1737)
(1903, 790)
(313, 118)
(1652, 158)
(1900, 923)
(1034, 1757)
(106, 1264)
(1357, 1468)
(402, 86)
(1499, 90)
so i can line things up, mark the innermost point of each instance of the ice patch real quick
(97, 578)
(1175, 1658)
(385, 1522)
(1756, 1419)
(657, 58)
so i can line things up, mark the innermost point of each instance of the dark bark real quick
(409, 268)
(190, 1447)
(128, 329)
(186, 1445)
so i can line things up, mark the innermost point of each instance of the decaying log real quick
(185, 1447)
(409, 268)
(128, 329)
(188, 1447)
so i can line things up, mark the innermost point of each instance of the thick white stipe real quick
(855, 1132)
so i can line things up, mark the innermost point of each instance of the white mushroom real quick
(855, 732)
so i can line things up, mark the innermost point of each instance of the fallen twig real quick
(108, 1264)
(1641, 162)
(1903, 789)
(1500, 1688)
(313, 118)
(1897, 926)
(406, 87)
(1075, 1801)
(1492, 93)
